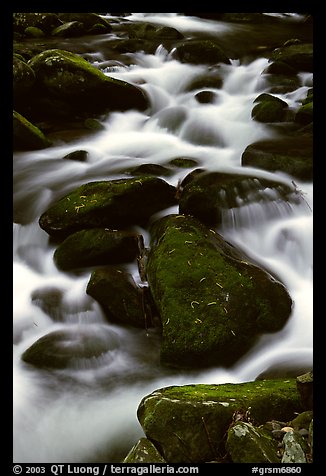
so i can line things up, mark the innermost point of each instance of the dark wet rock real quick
(199, 51)
(147, 31)
(23, 77)
(184, 162)
(212, 302)
(109, 204)
(45, 21)
(208, 195)
(298, 56)
(293, 448)
(119, 296)
(150, 169)
(69, 29)
(78, 155)
(208, 80)
(292, 155)
(49, 299)
(96, 246)
(74, 347)
(27, 136)
(305, 388)
(90, 21)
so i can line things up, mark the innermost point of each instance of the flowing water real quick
(87, 413)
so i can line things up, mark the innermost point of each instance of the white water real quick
(89, 414)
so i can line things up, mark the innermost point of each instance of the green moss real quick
(211, 303)
(108, 204)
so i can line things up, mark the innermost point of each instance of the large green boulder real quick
(213, 303)
(200, 51)
(79, 87)
(189, 423)
(109, 204)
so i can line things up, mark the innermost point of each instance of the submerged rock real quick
(212, 302)
(74, 347)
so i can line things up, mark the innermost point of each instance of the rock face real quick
(189, 423)
(108, 204)
(213, 304)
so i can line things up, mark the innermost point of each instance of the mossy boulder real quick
(210, 195)
(144, 451)
(27, 136)
(96, 246)
(248, 444)
(292, 155)
(189, 423)
(200, 51)
(212, 302)
(108, 204)
(68, 79)
(74, 347)
(119, 296)
(269, 108)
(297, 55)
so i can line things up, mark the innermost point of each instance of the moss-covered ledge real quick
(189, 423)
(212, 301)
